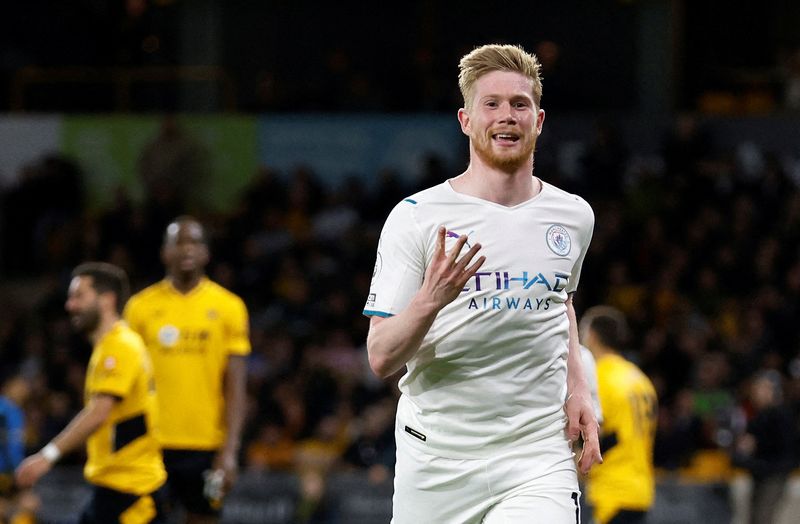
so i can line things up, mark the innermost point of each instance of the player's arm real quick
(90, 418)
(235, 400)
(393, 341)
(579, 407)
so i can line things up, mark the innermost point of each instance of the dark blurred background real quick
(292, 128)
(616, 55)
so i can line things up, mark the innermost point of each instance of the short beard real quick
(87, 321)
(506, 164)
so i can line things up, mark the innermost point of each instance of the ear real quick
(464, 120)
(206, 255)
(539, 122)
(108, 301)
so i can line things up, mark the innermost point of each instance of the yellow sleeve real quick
(131, 315)
(238, 329)
(113, 370)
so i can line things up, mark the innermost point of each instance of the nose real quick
(507, 114)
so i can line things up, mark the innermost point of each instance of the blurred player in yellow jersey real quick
(118, 421)
(197, 335)
(622, 489)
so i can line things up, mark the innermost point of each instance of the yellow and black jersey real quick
(190, 337)
(124, 454)
(625, 479)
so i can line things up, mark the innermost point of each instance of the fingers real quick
(463, 261)
(457, 268)
(589, 457)
(591, 449)
(471, 270)
(451, 257)
(440, 240)
(573, 429)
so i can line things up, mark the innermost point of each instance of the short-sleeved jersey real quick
(492, 369)
(124, 453)
(625, 479)
(190, 338)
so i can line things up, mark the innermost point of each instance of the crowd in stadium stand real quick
(700, 247)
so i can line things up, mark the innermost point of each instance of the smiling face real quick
(502, 120)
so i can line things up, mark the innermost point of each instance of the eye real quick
(491, 103)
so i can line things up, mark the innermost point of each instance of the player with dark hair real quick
(494, 390)
(197, 335)
(118, 422)
(623, 489)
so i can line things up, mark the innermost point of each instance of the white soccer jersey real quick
(492, 369)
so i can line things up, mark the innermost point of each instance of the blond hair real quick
(496, 57)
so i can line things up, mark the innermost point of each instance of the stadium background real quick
(291, 128)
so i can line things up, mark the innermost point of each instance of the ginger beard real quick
(503, 158)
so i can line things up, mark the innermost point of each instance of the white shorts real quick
(517, 486)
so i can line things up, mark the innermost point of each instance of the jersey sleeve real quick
(586, 239)
(238, 328)
(399, 264)
(132, 316)
(113, 369)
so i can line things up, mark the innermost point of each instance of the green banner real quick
(208, 159)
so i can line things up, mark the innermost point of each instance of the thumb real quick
(573, 429)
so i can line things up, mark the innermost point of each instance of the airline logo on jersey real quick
(558, 240)
(510, 281)
(506, 280)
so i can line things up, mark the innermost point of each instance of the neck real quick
(492, 184)
(599, 350)
(184, 284)
(106, 324)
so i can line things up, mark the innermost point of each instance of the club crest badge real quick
(558, 240)
(168, 335)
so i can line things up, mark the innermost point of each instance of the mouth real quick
(505, 138)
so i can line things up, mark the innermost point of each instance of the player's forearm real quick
(235, 400)
(576, 378)
(393, 341)
(86, 422)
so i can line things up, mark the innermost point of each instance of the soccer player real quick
(494, 390)
(197, 335)
(118, 422)
(622, 490)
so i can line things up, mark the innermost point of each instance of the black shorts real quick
(626, 516)
(185, 479)
(107, 506)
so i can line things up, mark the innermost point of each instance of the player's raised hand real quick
(447, 274)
